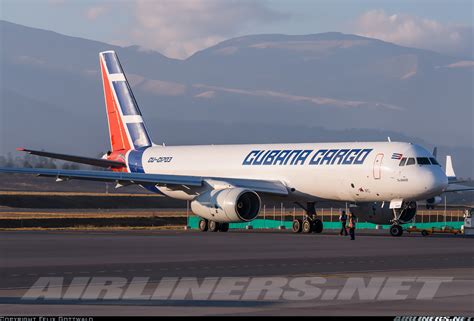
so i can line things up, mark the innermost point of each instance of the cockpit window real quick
(411, 161)
(423, 161)
(403, 161)
(434, 161)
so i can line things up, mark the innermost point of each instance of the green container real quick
(193, 223)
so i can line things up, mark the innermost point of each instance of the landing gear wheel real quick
(306, 226)
(213, 226)
(203, 226)
(396, 230)
(317, 226)
(223, 227)
(296, 227)
(424, 233)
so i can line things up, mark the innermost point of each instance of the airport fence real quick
(281, 217)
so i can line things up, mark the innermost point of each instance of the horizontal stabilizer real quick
(76, 159)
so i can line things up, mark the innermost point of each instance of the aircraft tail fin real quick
(450, 170)
(126, 127)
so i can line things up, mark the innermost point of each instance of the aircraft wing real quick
(453, 188)
(262, 186)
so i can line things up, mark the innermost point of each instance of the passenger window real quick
(403, 161)
(434, 161)
(411, 161)
(423, 161)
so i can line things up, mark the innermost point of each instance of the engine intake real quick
(227, 205)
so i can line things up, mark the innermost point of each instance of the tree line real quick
(33, 161)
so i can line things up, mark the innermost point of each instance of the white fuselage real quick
(356, 171)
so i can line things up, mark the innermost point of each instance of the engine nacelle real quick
(375, 213)
(227, 205)
(430, 203)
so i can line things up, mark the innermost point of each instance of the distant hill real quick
(257, 88)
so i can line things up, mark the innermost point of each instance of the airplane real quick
(383, 181)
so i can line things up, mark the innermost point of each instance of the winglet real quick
(449, 167)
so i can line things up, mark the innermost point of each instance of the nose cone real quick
(433, 181)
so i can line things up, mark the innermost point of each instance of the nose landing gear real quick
(396, 230)
(403, 214)
(310, 223)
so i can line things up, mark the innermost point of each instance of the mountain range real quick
(251, 89)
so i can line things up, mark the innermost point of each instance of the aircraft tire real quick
(203, 225)
(396, 230)
(223, 227)
(306, 227)
(213, 226)
(296, 226)
(317, 226)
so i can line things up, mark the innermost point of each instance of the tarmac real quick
(28, 255)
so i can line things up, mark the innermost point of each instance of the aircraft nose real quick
(434, 181)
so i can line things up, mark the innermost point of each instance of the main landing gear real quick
(310, 222)
(212, 226)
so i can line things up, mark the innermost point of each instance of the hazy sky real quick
(178, 28)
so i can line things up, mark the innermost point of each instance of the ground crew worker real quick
(343, 220)
(352, 225)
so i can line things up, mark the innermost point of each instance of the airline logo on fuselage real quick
(354, 156)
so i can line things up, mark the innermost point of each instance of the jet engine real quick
(227, 205)
(432, 202)
(375, 213)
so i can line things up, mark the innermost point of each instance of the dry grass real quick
(97, 228)
(83, 215)
(15, 193)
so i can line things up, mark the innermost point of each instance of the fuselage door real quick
(378, 166)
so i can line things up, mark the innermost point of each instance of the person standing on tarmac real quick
(343, 220)
(352, 225)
